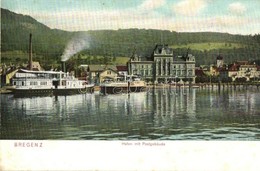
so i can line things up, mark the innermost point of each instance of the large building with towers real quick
(163, 66)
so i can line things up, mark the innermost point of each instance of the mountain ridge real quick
(51, 43)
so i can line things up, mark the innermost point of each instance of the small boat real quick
(130, 84)
(29, 83)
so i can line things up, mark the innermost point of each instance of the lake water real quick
(153, 115)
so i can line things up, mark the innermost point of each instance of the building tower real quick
(220, 61)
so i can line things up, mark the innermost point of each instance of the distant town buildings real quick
(162, 66)
(241, 69)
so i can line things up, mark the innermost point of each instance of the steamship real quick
(29, 83)
(127, 84)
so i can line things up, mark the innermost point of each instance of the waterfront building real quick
(241, 69)
(163, 66)
(99, 73)
(122, 70)
(107, 75)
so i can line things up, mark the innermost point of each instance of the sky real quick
(229, 16)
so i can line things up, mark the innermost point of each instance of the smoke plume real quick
(77, 44)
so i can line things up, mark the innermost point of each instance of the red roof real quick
(121, 68)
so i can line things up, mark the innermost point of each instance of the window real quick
(109, 72)
(33, 83)
(183, 72)
(43, 83)
(142, 72)
(147, 72)
(190, 72)
(169, 68)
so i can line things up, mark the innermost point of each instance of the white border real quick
(129, 155)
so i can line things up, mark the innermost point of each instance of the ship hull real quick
(121, 89)
(32, 92)
(72, 91)
(51, 92)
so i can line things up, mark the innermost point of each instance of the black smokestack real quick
(63, 66)
(30, 52)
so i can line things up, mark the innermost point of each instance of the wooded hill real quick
(49, 44)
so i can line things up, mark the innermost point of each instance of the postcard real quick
(130, 85)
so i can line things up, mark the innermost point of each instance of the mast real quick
(30, 52)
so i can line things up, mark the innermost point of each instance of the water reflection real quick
(164, 114)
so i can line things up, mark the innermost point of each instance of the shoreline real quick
(7, 89)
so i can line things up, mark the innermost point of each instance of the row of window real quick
(31, 83)
(177, 66)
(145, 72)
(34, 83)
(169, 65)
(247, 69)
(41, 83)
(178, 73)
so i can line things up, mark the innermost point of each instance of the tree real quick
(17, 59)
(114, 59)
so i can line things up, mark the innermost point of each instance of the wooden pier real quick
(230, 86)
(215, 86)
